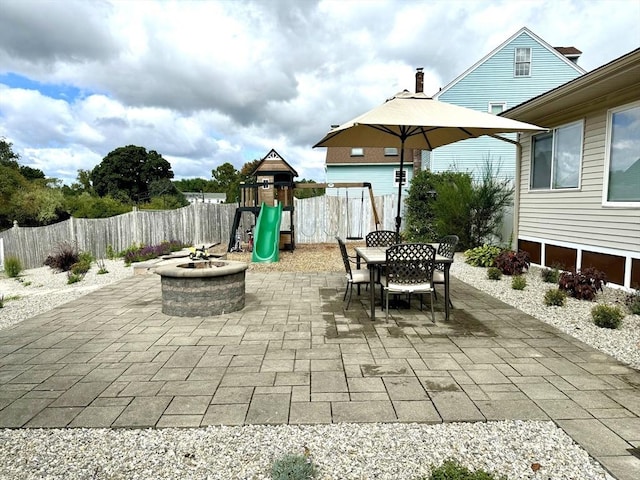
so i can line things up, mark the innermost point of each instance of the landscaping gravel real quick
(517, 449)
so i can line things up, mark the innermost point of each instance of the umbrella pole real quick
(398, 219)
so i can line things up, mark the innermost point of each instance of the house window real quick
(496, 108)
(522, 67)
(390, 152)
(400, 176)
(357, 152)
(265, 184)
(556, 158)
(622, 182)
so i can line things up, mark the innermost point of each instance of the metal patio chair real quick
(446, 248)
(357, 276)
(409, 269)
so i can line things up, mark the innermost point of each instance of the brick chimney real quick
(419, 80)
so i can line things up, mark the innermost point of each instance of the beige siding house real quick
(578, 185)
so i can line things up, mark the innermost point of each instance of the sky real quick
(209, 82)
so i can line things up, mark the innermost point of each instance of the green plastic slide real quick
(266, 237)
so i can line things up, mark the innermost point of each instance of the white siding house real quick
(522, 67)
(578, 185)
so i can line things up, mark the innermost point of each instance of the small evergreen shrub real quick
(73, 278)
(63, 257)
(632, 301)
(494, 273)
(452, 470)
(550, 275)
(555, 297)
(582, 284)
(80, 267)
(483, 256)
(293, 467)
(12, 266)
(607, 316)
(111, 253)
(513, 263)
(518, 282)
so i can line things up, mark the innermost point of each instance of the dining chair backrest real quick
(410, 263)
(345, 256)
(447, 246)
(381, 238)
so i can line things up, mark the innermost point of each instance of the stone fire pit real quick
(202, 288)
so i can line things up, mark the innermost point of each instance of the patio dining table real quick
(377, 256)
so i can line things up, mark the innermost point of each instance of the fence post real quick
(1, 254)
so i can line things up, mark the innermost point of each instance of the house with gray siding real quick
(522, 67)
(577, 201)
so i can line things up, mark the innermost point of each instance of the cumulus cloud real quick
(208, 82)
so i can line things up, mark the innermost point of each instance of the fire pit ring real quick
(202, 288)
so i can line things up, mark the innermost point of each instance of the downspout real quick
(516, 196)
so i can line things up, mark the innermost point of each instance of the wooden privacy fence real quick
(317, 220)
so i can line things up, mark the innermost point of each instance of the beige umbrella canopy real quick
(414, 120)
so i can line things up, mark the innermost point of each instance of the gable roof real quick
(620, 76)
(274, 163)
(551, 49)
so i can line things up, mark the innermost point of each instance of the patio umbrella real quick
(416, 121)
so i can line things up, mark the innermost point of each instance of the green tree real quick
(126, 173)
(85, 205)
(8, 157)
(195, 185)
(11, 182)
(40, 206)
(227, 180)
(308, 192)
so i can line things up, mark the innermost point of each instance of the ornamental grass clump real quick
(293, 467)
(12, 266)
(453, 470)
(494, 273)
(555, 298)
(518, 282)
(550, 275)
(607, 316)
(632, 301)
(63, 257)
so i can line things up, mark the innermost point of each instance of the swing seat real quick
(354, 238)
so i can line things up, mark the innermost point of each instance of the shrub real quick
(63, 257)
(4, 299)
(80, 267)
(607, 316)
(582, 284)
(483, 256)
(111, 253)
(452, 470)
(518, 282)
(494, 273)
(73, 278)
(550, 275)
(293, 467)
(12, 266)
(102, 268)
(513, 263)
(555, 297)
(632, 301)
